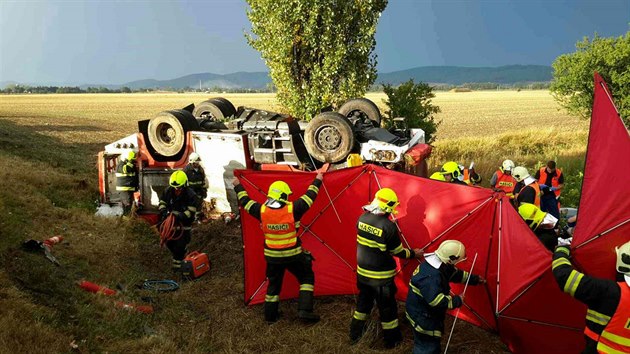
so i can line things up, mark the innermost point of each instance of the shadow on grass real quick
(27, 143)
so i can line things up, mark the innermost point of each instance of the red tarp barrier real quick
(520, 296)
(604, 213)
(521, 301)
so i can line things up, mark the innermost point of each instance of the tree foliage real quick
(319, 52)
(573, 74)
(413, 101)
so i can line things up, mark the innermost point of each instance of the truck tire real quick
(167, 131)
(329, 137)
(225, 105)
(361, 108)
(214, 109)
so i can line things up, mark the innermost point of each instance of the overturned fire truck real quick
(227, 138)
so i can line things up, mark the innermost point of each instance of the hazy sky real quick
(113, 42)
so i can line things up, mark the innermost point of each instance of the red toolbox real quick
(195, 264)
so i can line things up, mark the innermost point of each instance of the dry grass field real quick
(48, 145)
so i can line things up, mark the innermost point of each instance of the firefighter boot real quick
(357, 328)
(392, 337)
(176, 266)
(271, 311)
(305, 307)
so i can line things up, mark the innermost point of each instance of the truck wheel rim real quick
(328, 138)
(166, 133)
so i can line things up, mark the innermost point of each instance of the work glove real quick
(543, 186)
(457, 301)
(565, 241)
(553, 189)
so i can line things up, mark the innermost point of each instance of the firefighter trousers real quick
(385, 297)
(178, 247)
(301, 266)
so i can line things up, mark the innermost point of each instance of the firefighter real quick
(127, 179)
(378, 242)
(551, 181)
(608, 301)
(197, 182)
(179, 200)
(429, 296)
(502, 179)
(452, 173)
(541, 223)
(469, 175)
(283, 250)
(527, 189)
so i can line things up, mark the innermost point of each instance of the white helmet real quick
(623, 258)
(194, 157)
(507, 165)
(520, 173)
(451, 252)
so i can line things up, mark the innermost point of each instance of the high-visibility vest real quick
(505, 183)
(554, 179)
(536, 190)
(279, 227)
(615, 337)
(126, 177)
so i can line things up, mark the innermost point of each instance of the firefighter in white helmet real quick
(378, 242)
(197, 181)
(502, 179)
(127, 179)
(527, 189)
(429, 296)
(608, 315)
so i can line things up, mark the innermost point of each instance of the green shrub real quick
(412, 101)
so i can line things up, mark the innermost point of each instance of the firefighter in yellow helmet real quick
(429, 295)
(378, 241)
(127, 179)
(280, 218)
(452, 173)
(608, 301)
(179, 200)
(543, 224)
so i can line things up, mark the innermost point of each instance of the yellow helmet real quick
(623, 258)
(451, 252)
(131, 155)
(532, 215)
(279, 190)
(387, 200)
(178, 179)
(438, 176)
(451, 168)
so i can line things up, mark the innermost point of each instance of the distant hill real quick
(452, 75)
(457, 75)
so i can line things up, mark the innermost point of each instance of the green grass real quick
(48, 146)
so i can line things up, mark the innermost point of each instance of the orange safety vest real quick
(554, 179)
(279, 227)
(615, 337)
(505, 183)
(536, 190)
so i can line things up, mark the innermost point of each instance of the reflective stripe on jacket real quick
(279, 227)
(126, 176)
(615, 338)
(505, 183)
(554, 180)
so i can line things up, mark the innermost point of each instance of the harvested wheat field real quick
(48, 146)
